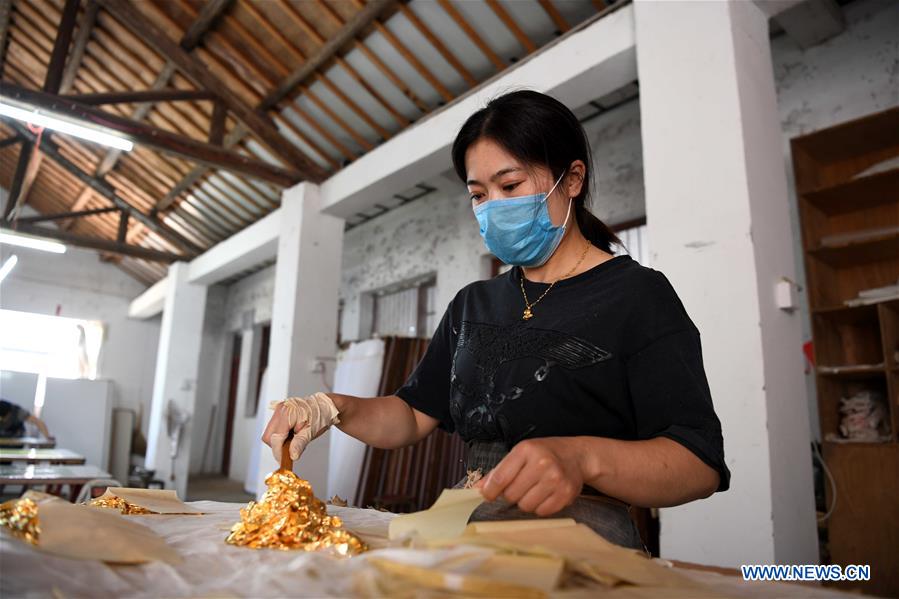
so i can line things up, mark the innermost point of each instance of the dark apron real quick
(609, 517)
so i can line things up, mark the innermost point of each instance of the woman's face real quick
(492, 173)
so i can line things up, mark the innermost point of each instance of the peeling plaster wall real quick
(253, 293)
(618, 194)
(851, 75)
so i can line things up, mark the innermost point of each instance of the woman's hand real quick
(308, 417)
(540, 475)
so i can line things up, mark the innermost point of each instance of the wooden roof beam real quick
(410, 57)
(196, 71)
(29, 154)
(94, 243)
(66, 215)
(135, 97)
(8, 141)
(465, 26)
(362, 19)
(554, 14)
(299, 57)
(85, 27)
(439, 45)
(5, 14)
(348, 32)
(209, 14)
(512, 25)
(338, 20)
(158, 139)
(106, 190)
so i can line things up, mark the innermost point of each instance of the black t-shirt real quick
(610, 352)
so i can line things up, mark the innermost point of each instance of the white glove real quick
(308, 417)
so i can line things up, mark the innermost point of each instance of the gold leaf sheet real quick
(82, 532)
(132, 501)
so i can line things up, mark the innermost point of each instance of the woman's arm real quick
(545, 475)
(40, 425)
(385, 422)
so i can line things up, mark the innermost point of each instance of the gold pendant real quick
(527, 314)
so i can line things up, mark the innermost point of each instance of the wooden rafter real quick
(554, 14)
(79, 203)
(55, 69)
(512, 25)
(95, 243)
(8, 141)
(196, 71)
(217, 124)
(209, 14)
(159, 139)
(439, 45)
(194, 34)
(350, 69)
(73, 63)
(473, 35)
(300, 58)
(410, 57)
(30, 155)
(50, 149)
(66, 215)
(112, 156)
(313, 97)
(5, 14)
(135, 97)
(348, 32)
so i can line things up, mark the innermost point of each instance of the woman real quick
(576, 378)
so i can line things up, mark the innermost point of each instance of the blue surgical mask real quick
(518, 230)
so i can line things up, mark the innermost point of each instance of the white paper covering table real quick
(213, 568)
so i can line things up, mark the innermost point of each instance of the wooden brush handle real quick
(286, 462)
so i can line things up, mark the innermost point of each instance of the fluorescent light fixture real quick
(36, 117)
(8, 266)
(32, 242)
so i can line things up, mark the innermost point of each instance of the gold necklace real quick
(528, 314)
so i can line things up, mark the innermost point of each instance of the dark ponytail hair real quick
(537, 130)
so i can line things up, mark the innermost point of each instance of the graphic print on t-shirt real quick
(493, 365)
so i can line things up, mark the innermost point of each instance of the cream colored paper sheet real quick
(447, 518)
(587, 553)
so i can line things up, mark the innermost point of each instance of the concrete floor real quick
(216, 487)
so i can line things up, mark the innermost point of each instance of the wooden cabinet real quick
(847, 183)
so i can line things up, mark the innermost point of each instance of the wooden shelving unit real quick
(847, 180)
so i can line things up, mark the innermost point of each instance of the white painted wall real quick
(77, 285)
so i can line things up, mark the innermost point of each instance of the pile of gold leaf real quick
(117, 503)
(20, 517)
(290, 517)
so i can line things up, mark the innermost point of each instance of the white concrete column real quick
(719, 228)
(304, 315)
(177, 370)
